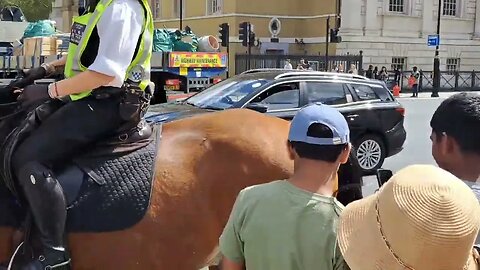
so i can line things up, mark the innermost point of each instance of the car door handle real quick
(352, 115)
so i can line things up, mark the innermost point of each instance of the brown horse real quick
(202, 163)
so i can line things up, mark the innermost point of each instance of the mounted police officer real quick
(107, 72)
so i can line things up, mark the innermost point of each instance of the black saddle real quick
(107, 187)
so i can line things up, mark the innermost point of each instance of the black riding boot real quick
(48, 208)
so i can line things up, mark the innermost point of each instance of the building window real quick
(453, 65)
(399, 63)
(156, 9)
(176, 8)
(396, 6)
(214, 7)
(450, 8)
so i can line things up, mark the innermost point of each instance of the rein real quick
(7, 105)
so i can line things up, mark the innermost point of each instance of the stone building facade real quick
(394, 33)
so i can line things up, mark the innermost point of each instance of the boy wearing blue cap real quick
(291, 224)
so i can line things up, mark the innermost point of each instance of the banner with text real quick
(198, 59)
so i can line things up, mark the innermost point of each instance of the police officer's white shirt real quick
(119, 29)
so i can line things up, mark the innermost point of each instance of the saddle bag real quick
(134, 103)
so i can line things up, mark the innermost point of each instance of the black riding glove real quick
(34, 93)
(30, 77)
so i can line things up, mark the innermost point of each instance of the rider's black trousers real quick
(69, 130)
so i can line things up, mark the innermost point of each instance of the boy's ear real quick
(343, 158)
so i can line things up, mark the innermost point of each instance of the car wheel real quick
(371, 153)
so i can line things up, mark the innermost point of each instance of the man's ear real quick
(343, 158)
(449, 146)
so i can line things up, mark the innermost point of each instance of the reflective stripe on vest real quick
(82, 28)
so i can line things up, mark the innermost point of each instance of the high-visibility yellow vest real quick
(82, 28)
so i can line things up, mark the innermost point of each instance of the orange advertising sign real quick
(198, 59)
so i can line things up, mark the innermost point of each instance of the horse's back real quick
(230, 136)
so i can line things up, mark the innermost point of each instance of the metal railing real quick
(316, 62)
(449, 81)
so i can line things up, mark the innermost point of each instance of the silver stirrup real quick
(13, 256)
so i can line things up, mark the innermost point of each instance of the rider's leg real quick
(66, 132)
(48, 207)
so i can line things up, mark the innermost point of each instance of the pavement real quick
(427, 95)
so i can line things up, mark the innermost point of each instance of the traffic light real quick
(251, 39)
(243, 33)
(224, 33)
(334, 37)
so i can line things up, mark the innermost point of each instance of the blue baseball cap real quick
(321, 114)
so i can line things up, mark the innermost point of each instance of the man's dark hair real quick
(327, 153)
(459, 117)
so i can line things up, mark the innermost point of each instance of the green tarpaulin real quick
(167, 40)
(43, 28)
(161, 41)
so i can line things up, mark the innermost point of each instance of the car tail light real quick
(401, 110)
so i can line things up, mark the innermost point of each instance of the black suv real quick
(374, 116)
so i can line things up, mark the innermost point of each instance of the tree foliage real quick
(33, 9)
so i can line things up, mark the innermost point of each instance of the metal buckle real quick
(123, 137)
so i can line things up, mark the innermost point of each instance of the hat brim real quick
(361, 242)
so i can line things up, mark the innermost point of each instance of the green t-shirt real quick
(277, 226)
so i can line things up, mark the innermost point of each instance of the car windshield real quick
(225, 94)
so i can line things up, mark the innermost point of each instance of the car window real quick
(326, 92)
(364, 92)
(226, 93)
(383, 93)
(280, 97)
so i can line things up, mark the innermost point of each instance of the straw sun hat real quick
(427, 220)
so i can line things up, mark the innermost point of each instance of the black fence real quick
(316, 62)
(449, 81)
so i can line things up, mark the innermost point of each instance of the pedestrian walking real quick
(303, 65)
(369, 72)
(423, 218)
(397, 75)
(353, 69)
(291, 224)
(383, 75)
(413, 81)
(288, 65)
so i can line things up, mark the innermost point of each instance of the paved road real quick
(417, 147)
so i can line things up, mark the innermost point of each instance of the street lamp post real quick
(436, 60)
(181, 14)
